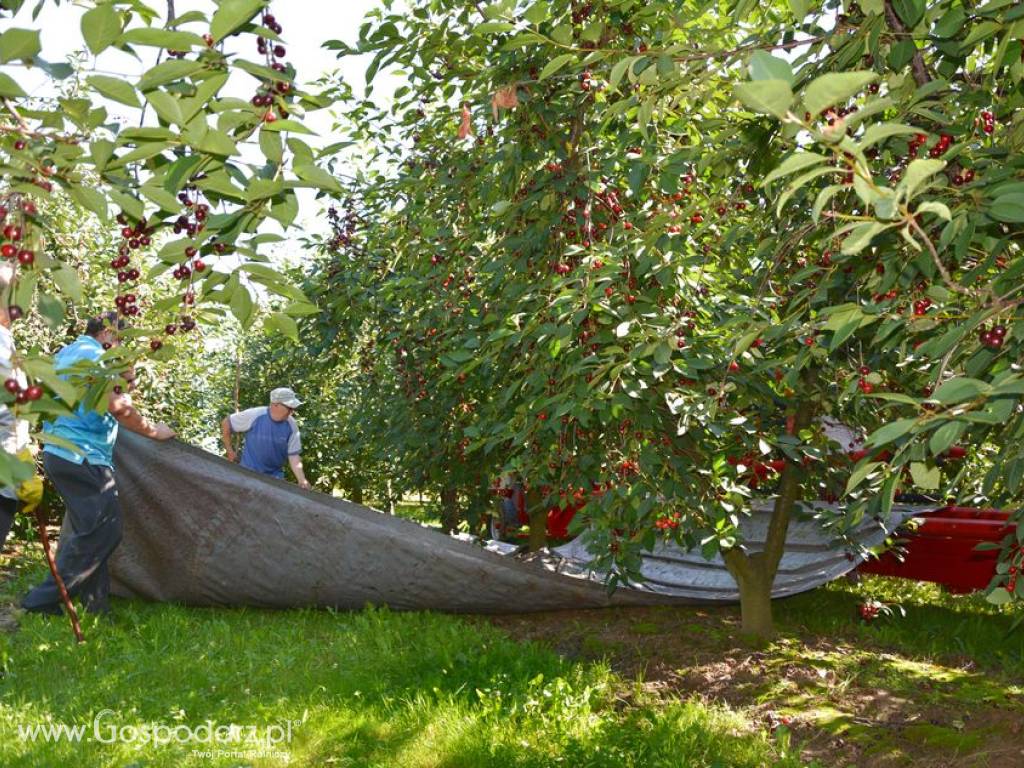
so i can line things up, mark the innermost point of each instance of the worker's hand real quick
(304, 484)
(231, 456)
(163, 432)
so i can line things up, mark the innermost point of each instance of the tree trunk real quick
(449, 510)
(755, 585)
(356, 494)
(538, 520)
(755, 573)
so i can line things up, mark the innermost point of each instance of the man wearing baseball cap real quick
(271, 436)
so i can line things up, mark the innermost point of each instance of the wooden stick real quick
(65, 598)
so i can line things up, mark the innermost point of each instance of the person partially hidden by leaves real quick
(13, 431)
(80, 463)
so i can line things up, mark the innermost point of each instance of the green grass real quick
(369, 688)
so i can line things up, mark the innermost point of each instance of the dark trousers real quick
(7, 509)
(91, 533)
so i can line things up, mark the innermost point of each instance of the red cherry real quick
(199, 266)
(26, 257)
(208, 39)
(609, 291)
(34, 392)
(28, 208)
(190, 252)
(8, 251)
(155, 344)
(170, 329)
(12, 232)
(12, 386)
(19, 145)
(627, 225)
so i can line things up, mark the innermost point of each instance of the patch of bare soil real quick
(844, 705)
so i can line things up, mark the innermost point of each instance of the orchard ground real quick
(942, 685)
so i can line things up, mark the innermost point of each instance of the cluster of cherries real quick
(921, 307)
(133, 237)
(988, 121)
(343, 227)
(869, 610)
(994, 338)
(668, 522)
(863, 384)
(15, 231)
(267, 90)
(587, 81)
(941, 147)
(22, 394)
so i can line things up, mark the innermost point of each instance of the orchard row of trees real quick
(634, 251)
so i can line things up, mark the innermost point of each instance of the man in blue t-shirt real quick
(271, 437)
(80, 464)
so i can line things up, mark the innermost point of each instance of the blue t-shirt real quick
(268, 443)
(92, 432)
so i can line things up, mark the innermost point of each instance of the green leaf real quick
(493, 28)
(537, 13)
(270, 144)
(317, 177)
(242, 305)
(770, 97)
(114, 88)
(945, 436)
(101, 26)
(555, 64)
(163, 38)
(1008, 208)
(90, 199)
(880, 131)
(960, 389)
(910, 11)
(42, 369)
(19, 44)
(925, 477)
(917, 173)
(823, 198)
(999, 596)
(9, 88)
(890, 432)
(939, 209)
(166, 106)
(67, 280)
(281, 323)
(619, 70)
(764, 66)
(161, 197)
(861, 236)
(168, 72)
(793, 163)
(799, 9)
(835, 88)
(291, 126)
(216, 142)
(860, 473)
(232, 15)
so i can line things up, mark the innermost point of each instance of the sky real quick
(307, 24)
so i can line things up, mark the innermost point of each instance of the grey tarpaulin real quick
(202, 531)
